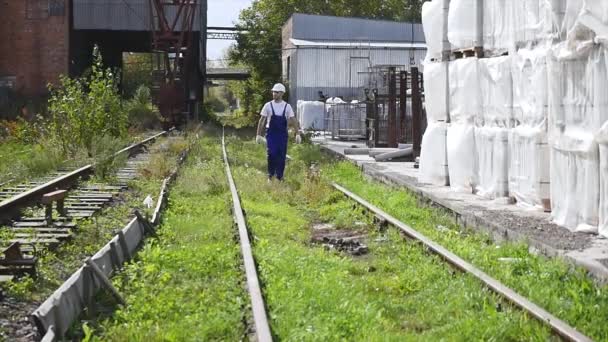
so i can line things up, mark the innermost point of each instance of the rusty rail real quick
(557, 326)
(10, 207)
(260, 318)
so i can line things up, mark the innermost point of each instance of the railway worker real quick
(275, 116)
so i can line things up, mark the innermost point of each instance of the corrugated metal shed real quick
(117, 15)
(341, 72)
(318, 27)
(335, 54)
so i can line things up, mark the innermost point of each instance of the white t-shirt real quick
(278, 110)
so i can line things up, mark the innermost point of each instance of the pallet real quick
(468, 53)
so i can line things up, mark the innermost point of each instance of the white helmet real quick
(279, 87)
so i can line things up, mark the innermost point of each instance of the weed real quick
(21, 288)
(194, 265)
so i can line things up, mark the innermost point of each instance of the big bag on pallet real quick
(433, 155)
(436, 90)
(529, 165)
(594, 16)
(530, 89)
(311, 115)
(433, 19)
(462, 159)
(496, 35)
(492, 145)
(578, 107)
(602, 139)
(491, 133)
(463, 31)
(496, 91)
(465, 93)
(575, 182)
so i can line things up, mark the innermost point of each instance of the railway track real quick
(66, 200)
(258, 307)
(28, 194)
(559, 327)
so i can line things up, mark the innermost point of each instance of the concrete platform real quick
(502, 220)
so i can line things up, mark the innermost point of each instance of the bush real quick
(142, 113)
(88, 107)
(216, 104)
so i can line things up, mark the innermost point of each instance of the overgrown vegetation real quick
(56, 266)
(87, 121)
(84, 108)
(551, 283)
(186, 284)
(141, 112)
(398, 292)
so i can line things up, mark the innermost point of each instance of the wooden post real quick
(392, 107)
(403, 107)
(416, 113)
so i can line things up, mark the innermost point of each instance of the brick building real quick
(43, 39)
(34, 49)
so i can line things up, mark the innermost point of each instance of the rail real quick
(262, 328)
(54, 317)
(557, 326)
(11, 206)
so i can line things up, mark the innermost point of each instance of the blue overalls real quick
(276, 142)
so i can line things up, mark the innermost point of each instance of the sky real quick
(222, 13)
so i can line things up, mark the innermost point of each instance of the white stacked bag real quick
(465, 107)
(433, 155)
(463, 31)
(529, 150)
(579, 107)
(602, 139)
(531, 123)
(493, 126)
(311, 115)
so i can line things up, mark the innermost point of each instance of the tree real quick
(259, 48)
(84, 108)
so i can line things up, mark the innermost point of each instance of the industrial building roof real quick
(320, 28)
(360, 44)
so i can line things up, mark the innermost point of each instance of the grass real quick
(20, 160)
(398, 292)
(551, 283)
(56, 266)
(194, 266)
(23, 161)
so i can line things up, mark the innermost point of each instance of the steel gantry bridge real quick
(222, 33)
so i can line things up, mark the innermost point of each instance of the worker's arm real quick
(261, 125)
(293, 122)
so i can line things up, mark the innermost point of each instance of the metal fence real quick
(346, 121)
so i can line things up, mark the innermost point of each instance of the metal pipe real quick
(396, 154)
(356, 151)
(378, 151)
(558, 326)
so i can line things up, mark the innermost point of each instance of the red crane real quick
(173, 38)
